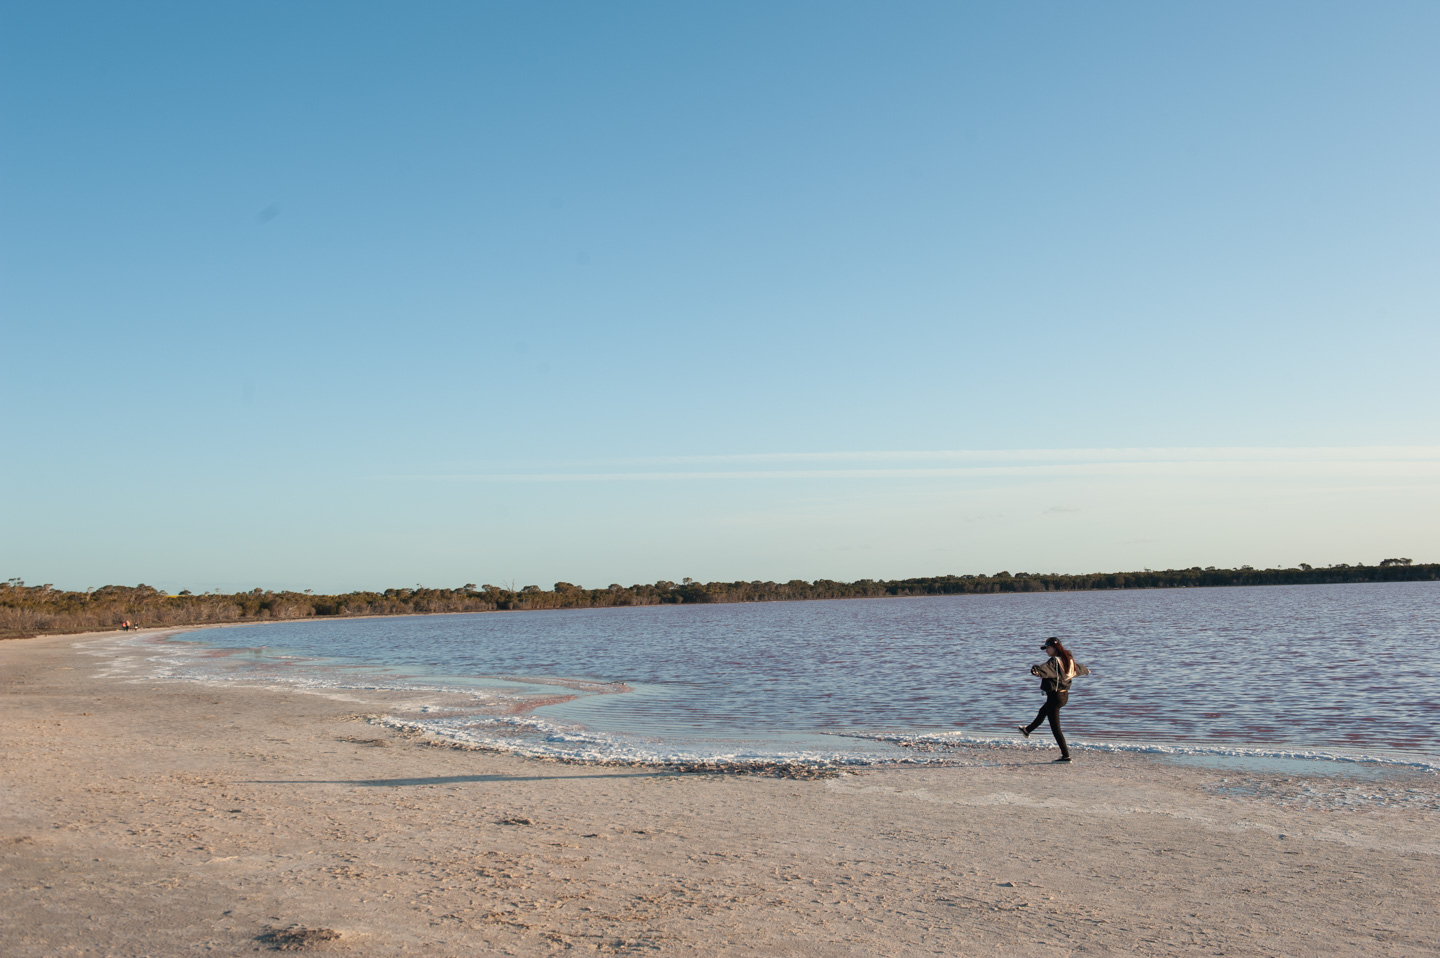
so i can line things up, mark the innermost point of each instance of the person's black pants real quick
(1051, 711)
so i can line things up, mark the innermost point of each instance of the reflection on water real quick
(1298, 667)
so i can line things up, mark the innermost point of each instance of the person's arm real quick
(1048, 670)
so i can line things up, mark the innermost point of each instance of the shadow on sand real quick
(451, 779)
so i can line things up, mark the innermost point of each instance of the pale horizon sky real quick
(343, 296)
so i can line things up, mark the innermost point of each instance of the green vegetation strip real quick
(33, 610)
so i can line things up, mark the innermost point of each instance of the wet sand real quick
(143, 817)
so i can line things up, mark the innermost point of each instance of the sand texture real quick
(145, 817)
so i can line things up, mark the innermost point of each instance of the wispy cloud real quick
(1314, 462)
(1092, 454)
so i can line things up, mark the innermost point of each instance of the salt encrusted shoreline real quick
(144, 817)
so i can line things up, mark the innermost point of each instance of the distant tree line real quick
(29, 610)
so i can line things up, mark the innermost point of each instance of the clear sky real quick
(353, 295)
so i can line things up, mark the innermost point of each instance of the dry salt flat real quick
(149, 817)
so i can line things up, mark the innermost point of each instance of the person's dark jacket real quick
(1053, 676)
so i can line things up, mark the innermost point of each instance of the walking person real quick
(1055, 674)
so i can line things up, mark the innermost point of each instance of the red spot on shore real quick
(530, 705)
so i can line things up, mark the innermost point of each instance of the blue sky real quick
(342, 296)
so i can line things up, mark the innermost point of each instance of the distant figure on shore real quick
(1055, 674)
(125, 625)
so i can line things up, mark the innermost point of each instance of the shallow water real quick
(1340, 671)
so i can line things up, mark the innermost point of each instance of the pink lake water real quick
(1330, 671)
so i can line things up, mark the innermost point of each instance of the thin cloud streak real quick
(1392, 462)
(1102, 454)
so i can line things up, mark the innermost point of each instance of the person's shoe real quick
(1063, 758)
(1024, 731)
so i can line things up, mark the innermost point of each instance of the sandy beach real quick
(152, 817)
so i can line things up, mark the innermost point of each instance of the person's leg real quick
(1052, 712)
(1040, 717)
